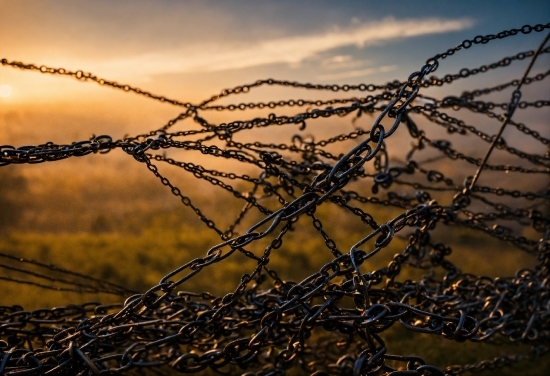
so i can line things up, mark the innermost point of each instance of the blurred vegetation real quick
(139, 261)
(12, 185)
(136, 247)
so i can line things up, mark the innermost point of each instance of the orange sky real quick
(191, 50)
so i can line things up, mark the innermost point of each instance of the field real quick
(138, 261)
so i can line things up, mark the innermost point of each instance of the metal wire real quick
(334, 321)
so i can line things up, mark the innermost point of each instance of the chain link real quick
(262, 330)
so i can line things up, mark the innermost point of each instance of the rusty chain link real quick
(333, 321)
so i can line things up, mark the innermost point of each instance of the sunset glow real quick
(274, 187)
(191, 51)
(5, 91)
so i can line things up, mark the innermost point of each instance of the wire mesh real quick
(395, 185)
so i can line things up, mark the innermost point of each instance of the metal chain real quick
(333, 321)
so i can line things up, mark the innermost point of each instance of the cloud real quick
(356, 73)
(291, 50)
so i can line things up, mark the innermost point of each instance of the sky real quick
(194, 48)
(190, 50)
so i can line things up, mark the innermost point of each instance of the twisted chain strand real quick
(267, 331)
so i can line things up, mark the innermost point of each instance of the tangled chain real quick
(267, 325)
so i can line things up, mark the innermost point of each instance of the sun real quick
(5, 91)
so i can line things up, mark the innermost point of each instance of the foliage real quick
(166, 243)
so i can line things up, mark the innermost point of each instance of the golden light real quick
(5, 91)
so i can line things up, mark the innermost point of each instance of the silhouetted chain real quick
(333, 321)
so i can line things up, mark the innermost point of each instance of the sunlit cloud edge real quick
(289, 50)
(356, 73)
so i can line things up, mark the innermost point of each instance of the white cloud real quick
(356, 73)
(288, 50)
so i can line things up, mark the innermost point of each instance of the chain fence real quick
(334, 321)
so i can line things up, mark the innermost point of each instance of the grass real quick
(139, 261)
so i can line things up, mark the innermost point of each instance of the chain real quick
(334, 321)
